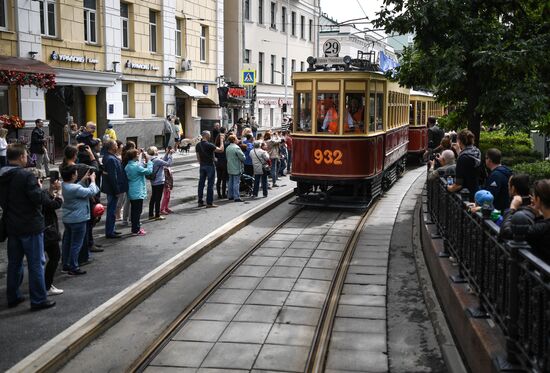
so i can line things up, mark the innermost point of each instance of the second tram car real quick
(350, 135)
(423, 106)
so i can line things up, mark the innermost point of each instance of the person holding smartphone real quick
(136, 169)
(76, 213)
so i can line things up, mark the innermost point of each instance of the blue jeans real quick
(110, 217)
(233, 187)
(257, 179)
(274, 170)
(206, 172)
(32, 247)
(73, 238)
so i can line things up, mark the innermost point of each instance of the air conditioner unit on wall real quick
(186, 65)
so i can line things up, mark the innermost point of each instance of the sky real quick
(344, 10)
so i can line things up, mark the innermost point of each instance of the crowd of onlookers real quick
(230, 158)
(92, 166)
(492, 187)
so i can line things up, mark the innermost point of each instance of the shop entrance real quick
(63, 102)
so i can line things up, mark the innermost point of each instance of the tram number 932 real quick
(329, 157)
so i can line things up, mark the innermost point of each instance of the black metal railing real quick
(512, 284)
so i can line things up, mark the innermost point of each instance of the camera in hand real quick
(526, 201)
(54, 176)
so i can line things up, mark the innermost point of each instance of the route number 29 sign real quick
(331, 48)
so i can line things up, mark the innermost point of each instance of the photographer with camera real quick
(136, 170)
(114, 183)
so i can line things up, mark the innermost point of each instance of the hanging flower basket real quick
(40, 80)
(12, 122)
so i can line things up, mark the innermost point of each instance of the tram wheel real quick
(303, 188)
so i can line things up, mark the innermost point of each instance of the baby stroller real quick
(247, 185)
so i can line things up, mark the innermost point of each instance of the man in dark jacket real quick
(435, 134)
(38, 146)
(114, 182)
(497, 182)
(21, 199)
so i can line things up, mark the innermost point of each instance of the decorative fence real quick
(513, 285)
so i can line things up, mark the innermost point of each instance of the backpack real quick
(153, 175)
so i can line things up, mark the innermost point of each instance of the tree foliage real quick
(492, 56)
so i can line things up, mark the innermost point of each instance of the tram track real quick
(141, 364)
(319, 348)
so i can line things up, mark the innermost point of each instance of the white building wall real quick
(169, 49)
(113, 44)
(262, 38)
(27, 19)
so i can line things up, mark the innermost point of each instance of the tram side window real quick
(327, 112)
(412, 106)
(376, 106)
(303, 107)
(354, 121)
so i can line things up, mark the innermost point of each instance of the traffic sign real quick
(331, 48)
(248, 77)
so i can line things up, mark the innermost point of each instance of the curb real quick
(56, 352)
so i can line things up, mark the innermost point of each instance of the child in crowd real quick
(158, 179)
(168, 186)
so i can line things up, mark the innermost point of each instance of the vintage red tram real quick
(350, 135)
(423, 106)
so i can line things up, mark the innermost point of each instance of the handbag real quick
(265, 167)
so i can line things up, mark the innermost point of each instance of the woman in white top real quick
(3, 146)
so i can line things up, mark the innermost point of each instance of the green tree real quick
(489, 55)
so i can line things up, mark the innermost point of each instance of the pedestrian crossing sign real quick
(248, 77)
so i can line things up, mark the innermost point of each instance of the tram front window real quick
(354, 122)
(327, 112)
(303, 108)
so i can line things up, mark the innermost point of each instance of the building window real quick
(260, 67)
(154, 100)
(261, 12)
(4, 14)
(302, 27)
(247, 10)
(247, 56)
(125, 25)
(90, 21)
(125, 99)
(271, 116)
(310, 30)
(293, 25)
(283, 19)
(152, 31)
(203, 44)
(47, 17)
(283, 70)
(272, 69)
(293, 65)
(273, 15)
(260, 116)
(179, 39)
(302, 66)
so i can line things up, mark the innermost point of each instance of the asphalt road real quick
(123, 262)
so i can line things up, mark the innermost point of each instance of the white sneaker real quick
(54, 291)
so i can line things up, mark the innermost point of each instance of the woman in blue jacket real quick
(158, 179)
(76, 213)
(136, 170)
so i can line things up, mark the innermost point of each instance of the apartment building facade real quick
(130, 62)
(274, 38)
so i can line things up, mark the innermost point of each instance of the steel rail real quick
(141, 363)
(318, 353)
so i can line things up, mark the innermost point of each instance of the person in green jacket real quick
(235, 159)
(136, 170)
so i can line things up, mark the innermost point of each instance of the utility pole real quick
(286, 56)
